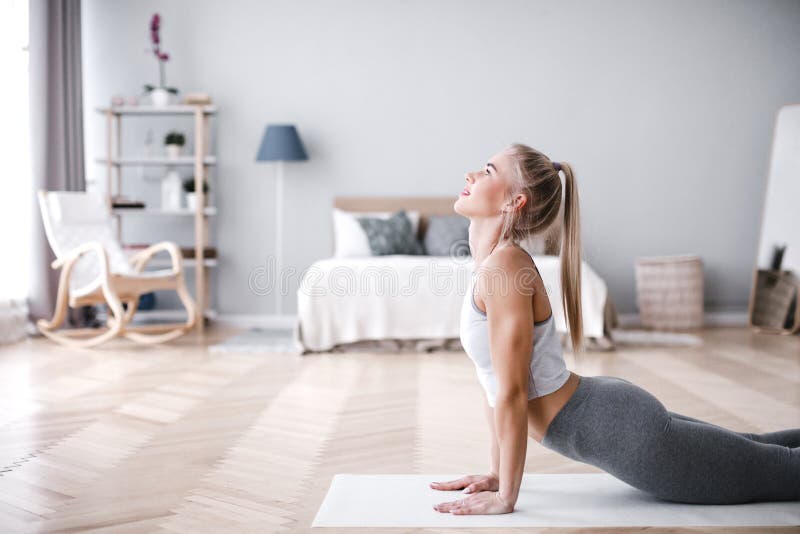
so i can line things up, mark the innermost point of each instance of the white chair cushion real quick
(87, 268)
(72, 218)
(77, 207)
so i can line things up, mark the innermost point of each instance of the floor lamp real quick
(280, 143)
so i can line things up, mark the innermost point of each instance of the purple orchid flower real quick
(155, 27)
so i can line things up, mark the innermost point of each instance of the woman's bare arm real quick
(494, 452)
(510, 321)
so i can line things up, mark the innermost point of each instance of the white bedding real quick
(344, 300)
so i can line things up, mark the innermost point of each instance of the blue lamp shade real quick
(281, 143)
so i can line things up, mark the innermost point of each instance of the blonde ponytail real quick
(539, 179)
(571, 261)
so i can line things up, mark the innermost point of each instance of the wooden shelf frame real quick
(200, 160)
(208, 211)
(163, 161)
(174, 109)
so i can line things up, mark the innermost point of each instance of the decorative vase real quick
(159, 97)
(173, 151)
(171, 187)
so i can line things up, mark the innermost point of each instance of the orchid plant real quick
(163, 57)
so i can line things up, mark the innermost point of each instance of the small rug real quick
(283, 341)
(567, 500)
(400, 345)
(260, 341)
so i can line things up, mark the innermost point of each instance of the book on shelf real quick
(133, 247)
(186, 252)
(124, 202)
(208, 252)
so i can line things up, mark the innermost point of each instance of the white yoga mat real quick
(568, 500)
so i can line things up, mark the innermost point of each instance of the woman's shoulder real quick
(508, 257)
(510, 266)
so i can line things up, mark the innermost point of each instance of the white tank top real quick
(547, 371)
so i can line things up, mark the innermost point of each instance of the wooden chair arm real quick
(73, 255)
(140, 259)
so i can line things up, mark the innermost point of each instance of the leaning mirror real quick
(775, 286)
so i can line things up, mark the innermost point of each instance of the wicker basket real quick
(669, 292)
(775, 293)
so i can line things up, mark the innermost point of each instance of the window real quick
(16, 196)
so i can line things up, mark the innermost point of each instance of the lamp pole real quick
(278, 235)
(280, 143)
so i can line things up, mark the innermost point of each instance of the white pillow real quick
(349, 238)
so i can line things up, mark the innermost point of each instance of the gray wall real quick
(665, 110)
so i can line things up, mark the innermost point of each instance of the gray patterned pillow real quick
(394, 235)
(447, 235)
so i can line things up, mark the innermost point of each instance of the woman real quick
(604, 421)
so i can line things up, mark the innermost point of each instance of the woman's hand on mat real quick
(481, 503)
(470, 483)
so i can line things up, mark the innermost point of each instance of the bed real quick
(343, 300)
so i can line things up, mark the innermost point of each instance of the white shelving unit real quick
(180, 161)
(200, 160)
(209, 211)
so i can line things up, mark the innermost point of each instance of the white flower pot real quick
(159, 97)
(191, 201)
(173, 151)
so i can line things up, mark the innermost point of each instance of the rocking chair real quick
(95, 270)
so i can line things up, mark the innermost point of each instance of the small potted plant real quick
(174, 141)
(191, 195)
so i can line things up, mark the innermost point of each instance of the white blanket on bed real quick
(343, 300)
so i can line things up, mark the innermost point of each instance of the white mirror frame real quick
(780, 215)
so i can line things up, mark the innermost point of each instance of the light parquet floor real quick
(175, 439)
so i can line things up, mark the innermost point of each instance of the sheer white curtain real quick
(15, 203)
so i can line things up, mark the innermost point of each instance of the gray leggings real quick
(617, 426)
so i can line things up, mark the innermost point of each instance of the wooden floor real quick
(175, 439)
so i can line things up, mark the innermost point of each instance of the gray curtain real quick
(56, 127)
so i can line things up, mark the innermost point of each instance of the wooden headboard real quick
(426, 206)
